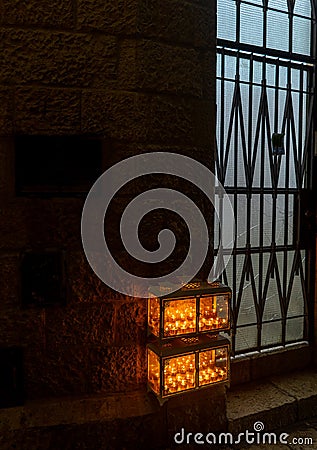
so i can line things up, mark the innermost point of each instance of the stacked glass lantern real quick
(185, 350)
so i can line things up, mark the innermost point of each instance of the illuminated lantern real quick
(198, 307)
(185, 351)
(187, 364)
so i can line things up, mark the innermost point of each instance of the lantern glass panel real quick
(154, 371)
(154, 315)
(179, 373)
(179, 317)
(214, 313)
(213, 366)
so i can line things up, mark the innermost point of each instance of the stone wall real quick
(138, 74)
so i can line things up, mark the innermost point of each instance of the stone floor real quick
(287, 404)
(281, 404)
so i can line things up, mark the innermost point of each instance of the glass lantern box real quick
(187, 364)
(198, 307)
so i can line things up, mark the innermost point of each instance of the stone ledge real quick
(278, 401)
(67, 411)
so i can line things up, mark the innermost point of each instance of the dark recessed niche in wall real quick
(56, 165)
(42, 279)
(11, 377)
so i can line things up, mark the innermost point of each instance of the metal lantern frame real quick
(182, 347)
(180, 357)
(196, 291)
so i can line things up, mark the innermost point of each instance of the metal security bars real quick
(265, 85)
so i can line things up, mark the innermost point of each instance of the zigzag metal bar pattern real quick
(263, 90)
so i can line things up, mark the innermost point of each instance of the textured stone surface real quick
(203, 411)
(167, 120)
(303, 387)
(261, 401)
(127, 64)
(135, 73)
(166, 68)
(22, 328)
(84, 285)
(64, 370)
(114, 369)
(109, 16)
(135, 420)
(172, 121)
(47, 111)
(87, 325)
(6, 111)
(131, 322)
(240, 371)
(41, 223)
(209, 73)
(46, 12)
(177, 22)
(57, 58)
(123, 116)
(281, 361)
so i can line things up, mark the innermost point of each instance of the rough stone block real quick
(202, 411)
(161, 119)
(35, 439)
(54, 226)
(22, 328)
(127, 64)
(280, 362)
(6, 111)
(57, 13)
(171, 121)
(178, 22)
(47, 111)
(204, 125)
(61, 371)
(86, 325)
(262, 401)
(112, 17)
(209, 75)
(131, 322)
(113, 369)
(240, 371)
(123, 116)
(57, 58)
(84, 285)
(170, 69)
(302, 386)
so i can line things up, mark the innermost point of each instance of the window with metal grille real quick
(265, 85)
